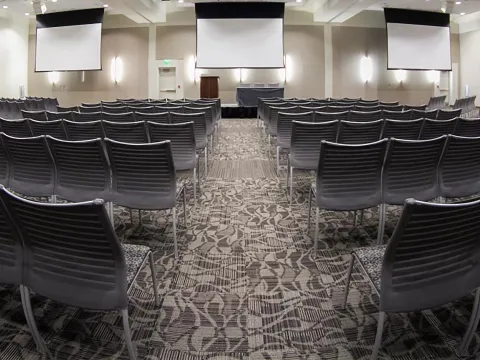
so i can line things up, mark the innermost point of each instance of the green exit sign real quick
(166, 62)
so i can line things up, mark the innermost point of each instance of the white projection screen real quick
(418, 40)
(67, 42)
(240, 35)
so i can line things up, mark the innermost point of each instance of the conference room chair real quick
(448, 114)
(299, 103)
(415, 107)
(360, 116)
(16, 128)
(349, 178)
(402, 129)
(368, 102)
(182, 142)
(339, 109)
(410, 170)
(51, 104)
(35, 115)
(115, 109)
(310, 108)
(4, 166)
(32, 171)
(53, 128)
(126, 117)
(359, 132)
(86, 267)
(69, 108)
(426, 263)
(91, 105)
(141, 109)
(432, 129)
(78, 131)
(87, 117)
(305, 146)
(397, 115)
(388, 103)
(327, 117)
(143, 177)
(319, 103)
(160, 118)
(34, 105)
(92, 109)
(459, 167)
(421, 114)
(112, 103)
(273, 120)
(467, 127)
(396, 108)
(284, 129)
(128, 132)
(14, 110)
(64, 115)
(210, 121)
(367, 108)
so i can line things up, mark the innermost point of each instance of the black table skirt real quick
(239, 112)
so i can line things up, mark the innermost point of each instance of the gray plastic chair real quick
(305, 146)
(389, 103)
(432, 259)
(415, 107)
(349, 177)
(339, 109)
(394, 108)
(326, 117)
(65, 115)
(67, 108)
(284, 129)
(423, 114)
(16, 128)
(84, 130)
(133, 132)
(92, 109)
(159, 118)
(402, 129)
(119, 117)
(411, 170)
(397, 115)
(34, 115)
(167, 108)
(53, 128)
(368, 108)
(182, 142)
(92, 105)
(448, 114)
(141, 109)
(87, 117)
(115, 109)
(32, 171)
(77, 265)
(459, 170)
(4, 166)
(359, 132)
(143, 177)
(273, 119)
(432, 129)
(467, 127)
(360, 116)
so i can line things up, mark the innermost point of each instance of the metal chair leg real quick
(194, 182)
(378, 337)
(206, 161)
(140, 216)
(361, 216)
(54, 199)
(347, 286)
(381, 224)
(185, 207)
(128, 335)
(315, 245)
(154, 278)
(355, 218)
(291, 185)
(278, 159)
(131, 215)
(472, 326)
(309, 207)
(174, 222)
(27, 309)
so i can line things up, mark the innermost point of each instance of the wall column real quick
(327, 39)
(152, 61)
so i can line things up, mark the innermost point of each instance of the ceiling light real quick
(443, 9)
(299, 1)
(105, 5)
(5, 6)
(27, 14)
(458, 2)
(54, 0)
(180, 1)
(43, 8)
(462, 14)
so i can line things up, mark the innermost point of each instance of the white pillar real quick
(152, 61)
(327, 39)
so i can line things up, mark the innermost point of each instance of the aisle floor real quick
(247, 284)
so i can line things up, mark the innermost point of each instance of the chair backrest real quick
(402, 129)
(119, 117)
(359, 132)
(273, 117)
(32, 171)
(396, 108)
(4, 166)
(182, 142)
(388, 103)
(397, 115)
(143, 175)
(160, 118)
(415, 107)
(142, 109)
(65, 115)
(168, 107)
(72, 254)
(53, 128)
(422, 114)
(16, 128)
(200, 126)
(92, 109)
(132, 132)
(367, 108)
(327, 117)
(448, 114)
(467, 127)
(349, 176)
(284, 126)
(115, 109)
(306, 140)
(83, 172)
(87, 117)
(433, 256)
(92, 105)
(84, 130)
(434, 128)
(339, 109)
(35, 115)
(361, 116)
(460, 167)
(69, 108)
(411, 170)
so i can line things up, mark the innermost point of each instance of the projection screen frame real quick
(79, 17)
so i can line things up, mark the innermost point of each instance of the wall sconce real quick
(366, 69)
(239, 75)
(53, 77)
(433, 76)
(117, 69)
(401, 75)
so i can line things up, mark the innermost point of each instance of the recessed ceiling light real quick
(54, 0)
(180, 1)
(105, 5)
(458, 2)
(5, 6)
(462, 13)
(27, 14)
(299, 1)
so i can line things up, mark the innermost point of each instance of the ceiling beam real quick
(338, 11)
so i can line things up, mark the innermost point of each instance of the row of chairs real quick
(467, 106)
(11, 109)
(305, 140)
(68, 253)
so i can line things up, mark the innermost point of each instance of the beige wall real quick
(130, 44)
(470, 64)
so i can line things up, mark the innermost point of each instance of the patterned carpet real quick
(246, 285)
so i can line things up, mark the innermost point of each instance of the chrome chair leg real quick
(355, 218)
(195, 185)
(361, 216)
(378, 337)
(347, 285)
(174, 223)
(278, 159)
(381, 224)
(206, 160)
(54, 199)
(140, 216)
(131, 215)
(315, 245)
(128, 335)
(309, 207)
(154, 278)
(472, 326)
(291, 185)
(185, 207)
(27, 309)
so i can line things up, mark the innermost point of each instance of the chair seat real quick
(134, 258)
(371, 259)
